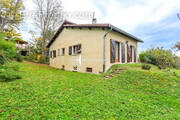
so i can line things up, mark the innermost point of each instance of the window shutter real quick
(134, 54)
(128, 54)
(70, 50)
(123, 52)
(79, 48)
(112, 45)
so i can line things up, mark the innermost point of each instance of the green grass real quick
(48, 93)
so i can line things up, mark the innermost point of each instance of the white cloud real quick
(127, 15)
(83, 6)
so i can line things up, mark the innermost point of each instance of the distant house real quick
(91, 47)
(21, 45)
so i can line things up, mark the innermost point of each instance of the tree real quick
(177, 46)
(35, 44)
(10, 14)
(158, 56)
(47, 18)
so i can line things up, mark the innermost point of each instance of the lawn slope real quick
(48, 93)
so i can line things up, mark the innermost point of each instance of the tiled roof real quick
(109, 26)
(86, 25)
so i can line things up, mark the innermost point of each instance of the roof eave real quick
(125, 33)
(58, 31)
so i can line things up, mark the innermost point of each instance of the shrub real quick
(18, 57)
(159, 57)
(8, 49)
(2, 59)
(146, 67)
(31, 57)
(42, 59)
(9, 72)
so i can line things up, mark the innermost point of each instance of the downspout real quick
(104, 49)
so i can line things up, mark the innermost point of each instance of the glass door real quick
(117, 55)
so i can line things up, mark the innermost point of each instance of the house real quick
(21, 45)
(91, 48)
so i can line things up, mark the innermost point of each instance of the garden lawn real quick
(48, 93)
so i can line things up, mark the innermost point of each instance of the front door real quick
(117, 57)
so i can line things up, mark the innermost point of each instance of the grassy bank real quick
(48, 93)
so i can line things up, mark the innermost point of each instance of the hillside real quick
(48, 93)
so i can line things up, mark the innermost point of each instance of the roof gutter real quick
(104, 48)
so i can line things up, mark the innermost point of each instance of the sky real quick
(153, 21)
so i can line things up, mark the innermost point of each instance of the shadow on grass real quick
(9, 80)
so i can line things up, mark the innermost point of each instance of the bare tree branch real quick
(47, 18)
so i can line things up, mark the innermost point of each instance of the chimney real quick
(94, 20)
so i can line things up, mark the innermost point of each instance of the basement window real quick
(89, 70)
(62, 67)
(75, 68)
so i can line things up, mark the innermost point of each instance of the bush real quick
(18, 57)
(2, 59)
(31, 57)
(159, 57)
(42, 59)
(9, 72)
(146, 67)
(8, 49)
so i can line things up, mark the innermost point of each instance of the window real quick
(128, 53)
(75, 68)
(133, 54)
(58, 52)
(74, 50)
(62, 67)
(70, 50)
(117, 52)
(122, 52)
(54, 53)
(63, 51)
(88, 69)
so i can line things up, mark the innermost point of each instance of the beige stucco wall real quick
(91, 55)
(92, 48)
